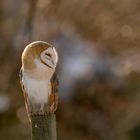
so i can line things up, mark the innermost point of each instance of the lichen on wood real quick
(43, 127)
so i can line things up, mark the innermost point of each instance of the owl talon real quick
(52, 109)
(40, 112)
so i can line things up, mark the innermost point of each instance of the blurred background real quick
(99, 67)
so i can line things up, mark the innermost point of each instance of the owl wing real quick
(24, 92)
(53, 98)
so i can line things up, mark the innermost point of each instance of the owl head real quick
(39, 52)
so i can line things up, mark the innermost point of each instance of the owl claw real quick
(40, 112)
(52, 108)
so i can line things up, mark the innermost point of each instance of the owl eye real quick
(48, 54)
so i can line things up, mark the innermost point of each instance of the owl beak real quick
(54, 65)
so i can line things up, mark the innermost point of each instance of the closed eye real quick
(48, 54)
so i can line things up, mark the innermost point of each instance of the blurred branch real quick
(30, 17)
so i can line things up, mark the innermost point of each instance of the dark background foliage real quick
(99, 66)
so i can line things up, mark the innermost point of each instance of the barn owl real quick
(38, 78)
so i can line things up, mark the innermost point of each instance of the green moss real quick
(44, 127)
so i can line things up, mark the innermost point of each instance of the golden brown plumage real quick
(32, 51)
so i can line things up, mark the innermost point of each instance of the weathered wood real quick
(43, 127)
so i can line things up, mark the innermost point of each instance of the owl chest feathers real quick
(38, 90)
(37, 83)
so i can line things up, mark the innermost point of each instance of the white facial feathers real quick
(49, 57)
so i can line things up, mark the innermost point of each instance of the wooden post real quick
(43, 127)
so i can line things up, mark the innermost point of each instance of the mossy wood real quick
(44, 127)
